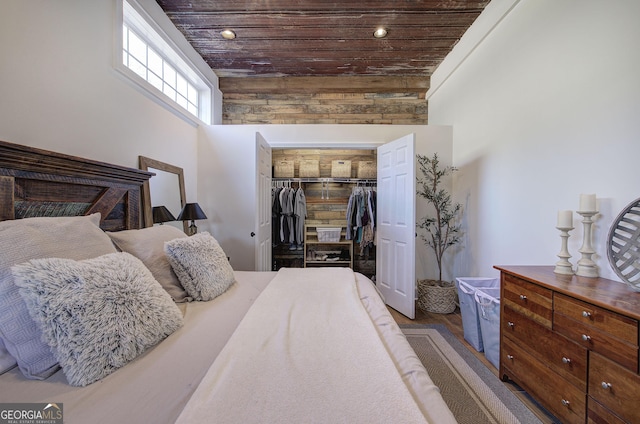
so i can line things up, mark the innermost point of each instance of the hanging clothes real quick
(361, 216)
(300, 214)
(288, 212)
(276, 209)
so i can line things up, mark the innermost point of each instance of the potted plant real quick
(440, 232)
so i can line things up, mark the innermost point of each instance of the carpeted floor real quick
(472, 392)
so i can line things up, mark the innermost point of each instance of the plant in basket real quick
(440, 232)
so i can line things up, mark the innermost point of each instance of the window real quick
(165, 74)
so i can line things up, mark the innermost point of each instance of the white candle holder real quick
(563, 266)
(586, 266)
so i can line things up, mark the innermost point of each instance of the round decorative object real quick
(437, 296)
(623, 245)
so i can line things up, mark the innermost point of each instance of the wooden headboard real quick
(37, 182)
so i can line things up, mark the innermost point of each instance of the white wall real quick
(227, 173)
(59, 90)
(544, 107)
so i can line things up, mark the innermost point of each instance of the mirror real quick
(166, 188)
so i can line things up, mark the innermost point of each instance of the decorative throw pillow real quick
(98, 314)
(147, 244)
(78, 237)
(201, 265)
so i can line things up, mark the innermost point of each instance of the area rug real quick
(473, 393)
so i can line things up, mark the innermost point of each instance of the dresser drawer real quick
(619, 326)
(566, 358)
(598, 414)
(598, 341)
(531, 300)
(563, 399)
(614, 387)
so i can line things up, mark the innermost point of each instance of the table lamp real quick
(161, 215)
(191, 212)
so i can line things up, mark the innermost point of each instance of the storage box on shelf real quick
(283, 169)
(572, 343)
(341, 168)
(328, 234)
(327, 246)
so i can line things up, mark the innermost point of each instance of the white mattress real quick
(156, 386)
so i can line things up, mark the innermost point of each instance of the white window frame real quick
(141, 23)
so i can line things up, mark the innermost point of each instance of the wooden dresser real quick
(572, 343)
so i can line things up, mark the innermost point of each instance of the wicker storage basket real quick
(367, 169)
(283, 169)
(436, 298)
(309, 168)
(341, 169)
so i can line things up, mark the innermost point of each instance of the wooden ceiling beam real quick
(190, 6)
(365, 32)
(311, 47)
(338, 84)
(268, 70)
(189, 22)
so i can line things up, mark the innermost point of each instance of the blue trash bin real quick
(488, 301)
(467, 287)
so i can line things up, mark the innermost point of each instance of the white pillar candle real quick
(588, 203)
(565, 219)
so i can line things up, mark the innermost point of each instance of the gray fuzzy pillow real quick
(201, 265)
(97, 314)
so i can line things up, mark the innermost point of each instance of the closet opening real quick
(335, 191)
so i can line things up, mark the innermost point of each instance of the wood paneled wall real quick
(324, 100)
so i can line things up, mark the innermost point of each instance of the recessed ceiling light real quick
(228, 34)
(380, 33)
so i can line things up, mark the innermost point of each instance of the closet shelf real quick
(328, 180)
(327, 250)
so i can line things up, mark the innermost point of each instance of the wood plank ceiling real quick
(289, 47)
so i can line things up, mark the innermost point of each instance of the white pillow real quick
(201, 265)
(77, 237)
(147, 244)
(98, 314)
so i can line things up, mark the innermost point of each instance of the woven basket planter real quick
(437, 297)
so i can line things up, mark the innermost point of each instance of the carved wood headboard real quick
(37, 182)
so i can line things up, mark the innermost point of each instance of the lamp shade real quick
(161, 214)
(190, 212)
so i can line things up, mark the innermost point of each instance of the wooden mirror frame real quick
(145, 164)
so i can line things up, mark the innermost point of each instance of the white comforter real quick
(307, 351)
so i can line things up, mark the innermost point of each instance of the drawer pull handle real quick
(586, 314)
(586, 338)
(511, 324)
(523, 297)
(566, 360)
(565, 402)
(510, 357)
(606, 385)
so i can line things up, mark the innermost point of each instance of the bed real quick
(134, 332)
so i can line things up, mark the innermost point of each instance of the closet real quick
(329, 179)
(392, 259)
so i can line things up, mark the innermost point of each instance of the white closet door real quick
(263, 213)
(396, 224)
